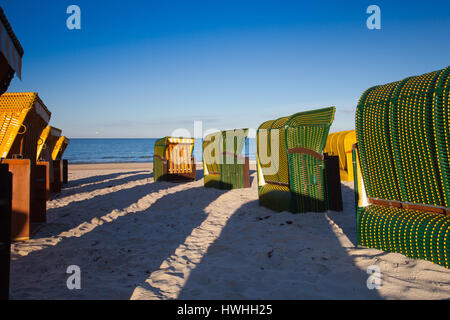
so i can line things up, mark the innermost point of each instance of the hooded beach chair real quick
(173, 160)
(46, 144)
(293, 172)
(57, 155)
(224, 165)
(11, 53)
(402, 171)
(23, 116)
(340, 144)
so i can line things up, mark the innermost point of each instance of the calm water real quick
(124, 150)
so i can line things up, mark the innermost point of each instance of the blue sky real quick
(144, 68)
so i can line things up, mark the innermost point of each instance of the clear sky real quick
(144, 68)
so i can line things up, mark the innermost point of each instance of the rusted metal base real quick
(48, 187)
(247, 172)
(39, 200)
(28, 196)
(5, 229)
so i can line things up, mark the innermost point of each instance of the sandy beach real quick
(136, 239)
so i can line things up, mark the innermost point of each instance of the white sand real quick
(133, 238)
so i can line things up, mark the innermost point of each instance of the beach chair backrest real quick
(306, 136)
(23, 117)
(60, 148)
(224, 159)
(402, 132)
(47, 142)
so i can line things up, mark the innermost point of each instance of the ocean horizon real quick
(124, 150)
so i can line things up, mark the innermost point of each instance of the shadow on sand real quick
(118, 255)
(261, 254)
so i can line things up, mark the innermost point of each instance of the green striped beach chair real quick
(291, 166)
(224, 165)
(402, 167)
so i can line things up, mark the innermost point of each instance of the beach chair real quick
(340, 144)
(293, 172)
(11, 53)
(57, 154)
(46, 144)
(402, 171)
(23, 116)
(223, 163)
(173, 160)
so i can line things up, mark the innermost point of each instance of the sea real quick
(126, 150)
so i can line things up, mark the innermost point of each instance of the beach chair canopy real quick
(224, 162)
(403, 148)
(60, 147)
(47, 143)
(23, 117)
(175, 154)
(290, 161)
(11, 53)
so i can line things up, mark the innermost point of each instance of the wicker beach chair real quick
(23, 116)
(57, 155)
(46, 144)
(224, 165)
(293, 173)
(340, 144)
(401, 160)
(11, 53)
(173, 160)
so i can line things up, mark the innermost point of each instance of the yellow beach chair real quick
(57, 155)
(23, 116)
(173, 160)
(340, 144)
(46, 144)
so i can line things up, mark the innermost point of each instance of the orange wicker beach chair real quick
(173, 160)
(46, 144)
(23, 116)
(57, 155)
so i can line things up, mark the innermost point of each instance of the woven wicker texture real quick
(23, 117)
(223, 159)
(60, 147)
(403, 133)
(413, 233)
(47, 142)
